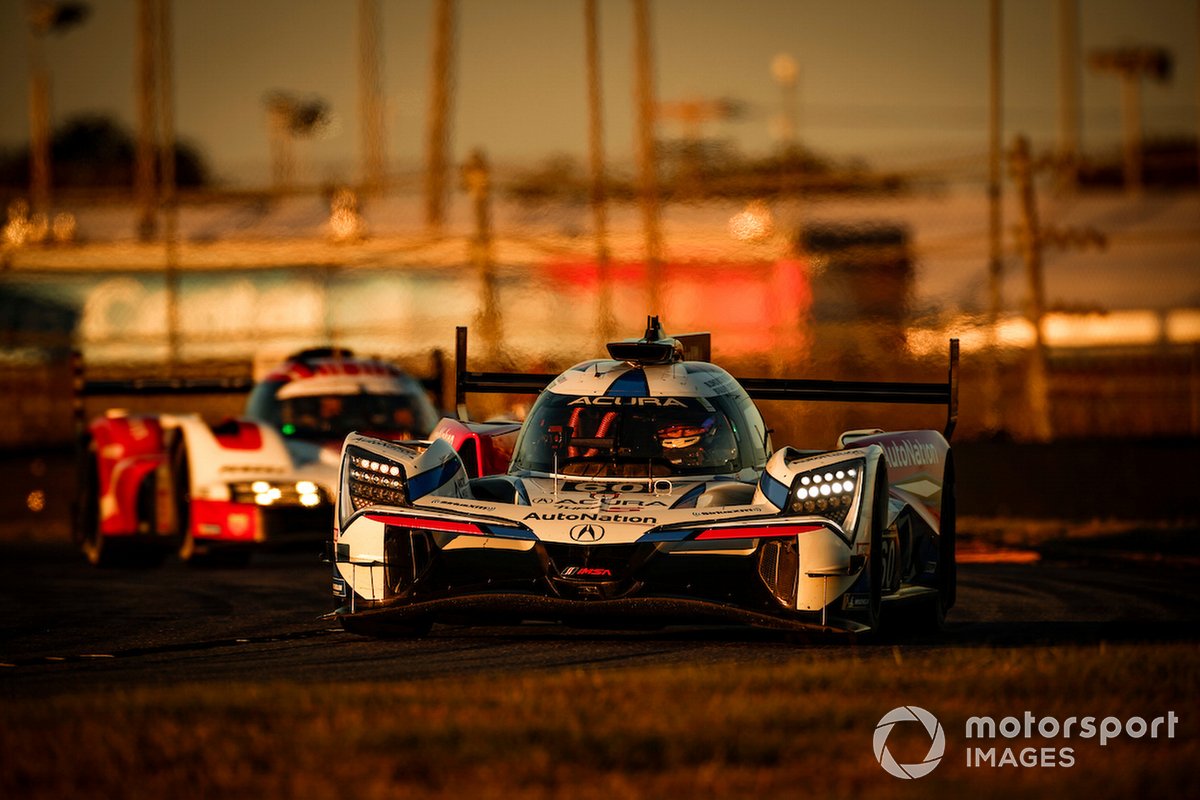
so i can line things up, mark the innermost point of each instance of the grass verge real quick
(798, 728)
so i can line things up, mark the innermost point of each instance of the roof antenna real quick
(654, 330)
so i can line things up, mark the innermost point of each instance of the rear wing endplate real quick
(934, 393)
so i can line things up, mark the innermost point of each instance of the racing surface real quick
(69, 627)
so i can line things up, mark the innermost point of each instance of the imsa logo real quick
(587, 572)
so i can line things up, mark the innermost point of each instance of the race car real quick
(643, 489)
(150, 484)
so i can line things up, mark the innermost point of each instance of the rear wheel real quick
(947, 541)
(181, 500)
(927, 615)
(878, 520)
(101, 550)
(86, 518)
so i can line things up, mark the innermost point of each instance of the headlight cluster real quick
(375, 481)
(275, 493)
(828, 491)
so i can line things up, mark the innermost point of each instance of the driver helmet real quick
(678, 436)
(684, 441)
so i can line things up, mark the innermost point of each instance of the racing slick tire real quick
(948, 540)
(931, 618)
(100, 550)
(871, 616)
(926, 616)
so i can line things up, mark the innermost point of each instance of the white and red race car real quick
(152, 483)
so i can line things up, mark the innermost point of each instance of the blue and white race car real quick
(644, 489)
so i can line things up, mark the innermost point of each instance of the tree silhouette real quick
(94, 151)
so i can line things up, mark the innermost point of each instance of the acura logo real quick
(587, 533)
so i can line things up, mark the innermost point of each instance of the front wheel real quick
(870, 616)
(192, 551)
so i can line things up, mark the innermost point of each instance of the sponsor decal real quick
(587, 533)
(605, 400)
(909, 453)
(605, 488)
(587, 572)
(456, 503)
(584, 516)
(1035, 734)
(891, 562)
(599, 502)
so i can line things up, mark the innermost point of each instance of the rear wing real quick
(83, 387)
(934, 393)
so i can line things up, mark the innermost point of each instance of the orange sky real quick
(896, 83)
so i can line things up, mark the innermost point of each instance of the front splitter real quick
(659, 610)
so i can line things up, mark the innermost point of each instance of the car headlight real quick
(373, 480)
(829, 491)
(278, 493)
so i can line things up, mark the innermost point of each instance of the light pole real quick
(598, 194)
(145, 84)
(45, 17)
(1068, 94)
(370, 101)
(786, 73)
(437, 133)
(992, 413)
(647, 156)
(290, 117)
(1130, 64)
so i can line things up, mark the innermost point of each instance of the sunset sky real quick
(896, 83)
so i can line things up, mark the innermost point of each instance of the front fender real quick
(427, 468)
(778, 480)
(236, 450)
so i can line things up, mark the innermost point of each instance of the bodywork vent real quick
(778, 566)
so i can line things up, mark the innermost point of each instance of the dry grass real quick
(801, 727)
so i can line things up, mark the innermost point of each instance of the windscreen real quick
(634, 437)
(333, 416)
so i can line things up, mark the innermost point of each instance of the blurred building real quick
(862, 286)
